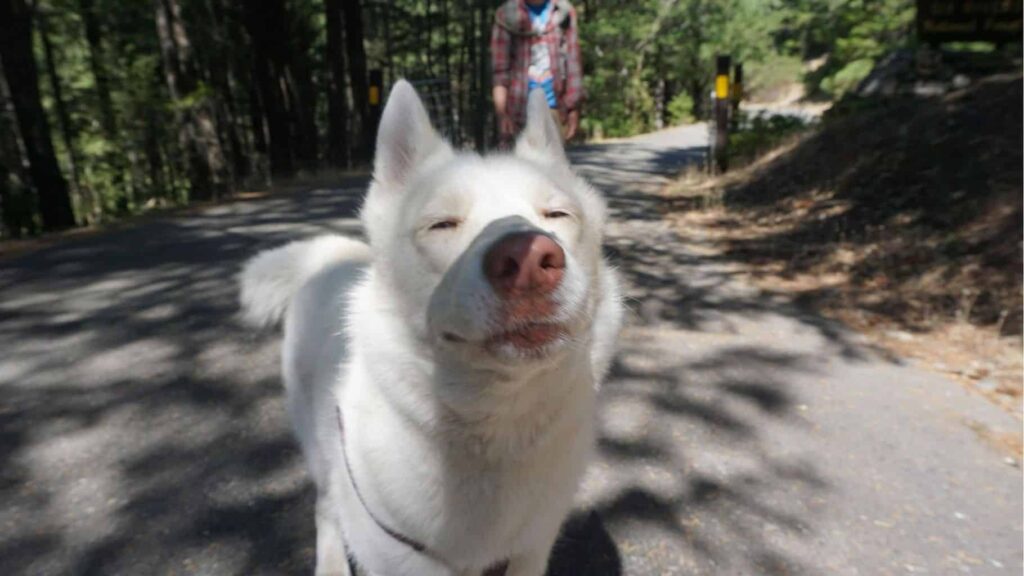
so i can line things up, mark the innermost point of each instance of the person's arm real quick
(573, 96)
(500, 68)
(500, 95)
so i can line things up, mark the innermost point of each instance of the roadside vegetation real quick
(899, 215)
(110, 110)
(650, 62)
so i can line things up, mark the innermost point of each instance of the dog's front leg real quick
(331, 557)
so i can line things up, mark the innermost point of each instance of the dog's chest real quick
(463, 503)
(490, 508)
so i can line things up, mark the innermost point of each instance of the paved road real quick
(142, 429)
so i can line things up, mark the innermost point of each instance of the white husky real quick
(441, 380)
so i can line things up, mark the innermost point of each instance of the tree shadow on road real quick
(670, 512)
(144, 433)
(142, 429)
(691, 478)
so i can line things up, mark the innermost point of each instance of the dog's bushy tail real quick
(270, 279)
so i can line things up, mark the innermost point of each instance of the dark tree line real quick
(22, 90)
(109, 108)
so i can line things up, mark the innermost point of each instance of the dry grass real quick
(902, 221)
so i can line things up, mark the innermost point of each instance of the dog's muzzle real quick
(503, 287)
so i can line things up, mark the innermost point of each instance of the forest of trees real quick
(108, 108)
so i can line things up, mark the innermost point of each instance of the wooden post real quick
(721, 143)
(737, 87)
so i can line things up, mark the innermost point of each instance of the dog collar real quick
(497, 569)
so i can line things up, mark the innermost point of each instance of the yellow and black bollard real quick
(722, 63)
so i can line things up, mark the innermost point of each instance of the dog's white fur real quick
(473, 449)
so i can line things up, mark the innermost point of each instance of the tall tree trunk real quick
(337, 107)
(67, 129)
(302, 95)
(389, 55)
(108, 119)
(8, 227)
(357, 76)
(659, 103)
(466, 57)
(445, 44)
(22, 78)
(17, 201)
(219, 69)
(93, 37)
(154, 159)
(269, 60)
(197, 126)
(483, 82)
(153, 136)
(428, 39)
(257, 120)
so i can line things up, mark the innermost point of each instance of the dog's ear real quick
(541, 140)
(405, 137)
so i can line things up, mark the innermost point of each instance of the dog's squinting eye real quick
(449, 224)
(556, 214)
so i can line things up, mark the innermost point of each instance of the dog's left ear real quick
(541, 140)
(405, 138)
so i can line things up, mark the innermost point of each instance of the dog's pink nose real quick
(524, 263)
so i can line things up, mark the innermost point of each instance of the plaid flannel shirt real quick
(511, 38)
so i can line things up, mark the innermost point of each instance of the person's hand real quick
(506, 127)
(572, 124)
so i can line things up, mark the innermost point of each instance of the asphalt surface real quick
(142, 429)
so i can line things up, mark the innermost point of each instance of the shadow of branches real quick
(915, 203)
(692, 475)
(142, 430)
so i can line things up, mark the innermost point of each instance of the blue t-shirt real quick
(540, 73)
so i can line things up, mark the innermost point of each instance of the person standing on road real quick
(534, 44)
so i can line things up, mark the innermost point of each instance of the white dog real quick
(441, 380)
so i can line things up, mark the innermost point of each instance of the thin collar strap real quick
(497, 569)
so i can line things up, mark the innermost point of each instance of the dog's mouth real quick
(528, 336)
(523, 339)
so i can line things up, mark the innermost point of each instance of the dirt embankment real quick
(902, 217)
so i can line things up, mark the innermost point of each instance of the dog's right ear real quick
(405, 137)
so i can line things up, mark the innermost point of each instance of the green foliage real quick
(647, 63)
(861, 31)
(767, 79)
(631, 48)
(848, 77)
(680, 109)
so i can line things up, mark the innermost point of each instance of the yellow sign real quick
(374, 95)
(737, 91)
(722, 87)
